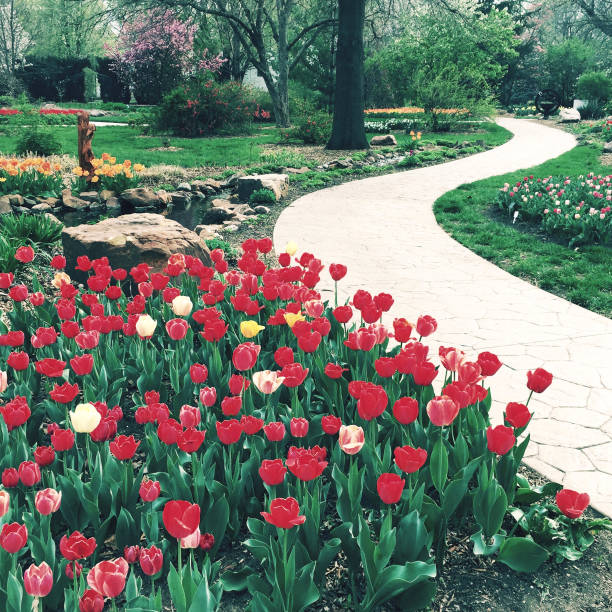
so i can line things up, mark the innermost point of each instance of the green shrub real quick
(312, 129)
(262, 196)
(38, 142)
(30, 229)
(203, 106)
(410, 161)
(593, 109)
(226, 247)
(594, 86)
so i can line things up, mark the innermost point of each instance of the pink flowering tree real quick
(154, 52)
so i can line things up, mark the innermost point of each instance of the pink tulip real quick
(351, 439)
(5, 500)
(192, 540)
(48, 501)
(38, 580)
(267, 381)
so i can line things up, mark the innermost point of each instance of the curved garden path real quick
(383, 228)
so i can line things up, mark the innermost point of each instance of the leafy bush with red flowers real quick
(150, 418)
(576, 208)
(202, 106)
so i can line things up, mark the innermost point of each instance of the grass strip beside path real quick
(581, 275)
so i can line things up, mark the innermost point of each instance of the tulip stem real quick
(530, 394)
(153, 585)
(179, 561)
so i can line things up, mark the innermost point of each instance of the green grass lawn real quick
(218, 151)
(581, 275)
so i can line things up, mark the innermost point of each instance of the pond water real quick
(190, 215)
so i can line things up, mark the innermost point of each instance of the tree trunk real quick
(281, 105)
(348, 131)
(86, 133)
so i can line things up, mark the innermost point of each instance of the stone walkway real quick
(384, 230)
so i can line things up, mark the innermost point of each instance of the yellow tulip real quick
(60, 278)
(85, 418)
(291, 248)
(291, 318)
(249, 329)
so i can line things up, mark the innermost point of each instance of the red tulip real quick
(77, 546)
(13, 537)
(91, 601)
(489, 363)
(230, 406)
(469, 372)
(409, 459)
(38, 580)
(44, 455)
(306, 463)
(442, 410)
(131, 553)
(402, 330)
(334, 371)
(385, 367)
(283, 356)
(284, 513)
(229, 431)
(343, 314)
(177, 328)
(424, 373)
(294, 374)
(298, 427)
(198, 373)
(123, 447)
(10, 477)
(64, 394)
(426, 325)
(149, 490)
(58, 262)
(190, 416)
(390, 488)
(82, 364)
(406, 410)
(331, 424)
(181, 518)
(71, 568)
(245, 355)
(190, 440)
(16, 412)
(18, 361)
(151, 560)
(372, 401)
(29, 473)
(274, 431)
(24, 254)
(272, 471)
(337, 271)
(500, 439)
(572, 503)
(207, 541)
(108, 577)
(539, 380)
(48, 501)
(517, 414)
(208, 396)
(250, 424)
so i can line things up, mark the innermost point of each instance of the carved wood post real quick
(86, 133)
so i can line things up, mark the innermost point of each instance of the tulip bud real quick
(145, 326)
(207, 541)
(131, 553)
(85, 418)
(70, 569)
(182, 306)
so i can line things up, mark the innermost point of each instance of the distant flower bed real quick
(42, 111)
(526, 110)
(576, 208)
(412, 110)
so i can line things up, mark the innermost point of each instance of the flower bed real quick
(409, 111)
(107, 174)
(144, 431)
(575, 208)
(31, 176)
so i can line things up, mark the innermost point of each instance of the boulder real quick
(132, 239)
(569, 115)
(113, 203)
(72, 202)
(383, 140)
(89, 196)
(231, 181)
(277, 183)
(29, 202)
(205, 233)
(16, 199)
(183, 187)
(608, 147)
(261, 209)
(5, 205)
(142, 197)
(53, 202)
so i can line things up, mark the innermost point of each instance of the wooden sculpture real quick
(86, 134)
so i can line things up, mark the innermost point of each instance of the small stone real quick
(569, 115)
(16, 199)
(183, 187)
(72, 202)
(41, 208)
(301, 170)
(29, 202)
(205, 233)
(249, 212)
(277, 183)
(142, 197)
(261, 209)
(5, 205)
(105, 194)
(180, 198)
(113, 202)
(608, 147)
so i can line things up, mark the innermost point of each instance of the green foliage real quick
(262, 196)
(313, 129)
(594, 86)
(593, 109)
(202, 106)
(285, 159)
(564, 63)
(38, 142)
(226, 247)
(89, 83)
